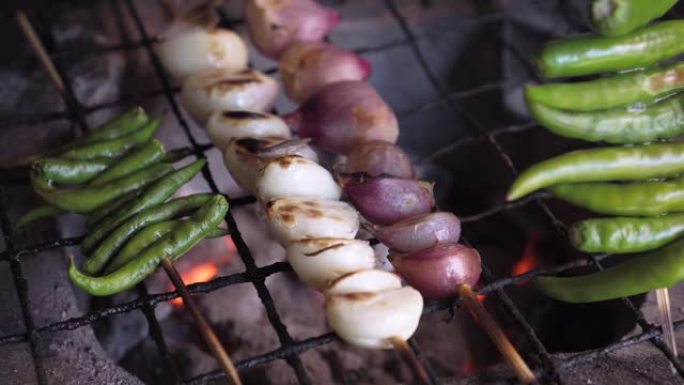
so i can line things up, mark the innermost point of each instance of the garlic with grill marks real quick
(319, 261)
(223, 126)
(294, 176)
(244, 157)
(368, 307)
(293, 219)
(222, 90)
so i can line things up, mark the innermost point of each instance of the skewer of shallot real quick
(276, 24)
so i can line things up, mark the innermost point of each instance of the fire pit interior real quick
(451, 69)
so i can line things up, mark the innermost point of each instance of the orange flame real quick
(198, 273)
(529, 260)
(481, 297)
(469, 367)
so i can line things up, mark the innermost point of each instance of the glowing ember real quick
(481, 297)
(529, 260)
(469, 367)
(199, 273)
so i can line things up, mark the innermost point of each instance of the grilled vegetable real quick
(368, 307)
(145, 156)
(618, 17)
(608, 92)
(223, 126)
(173, 245)
(420, 232)
(70, 171)
(294, 176)
(662, 120)
(626, 234)
(595, 54)
(377, 157)
(113, 148)
(643, 273)
(602, 164)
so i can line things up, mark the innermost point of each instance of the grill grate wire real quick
(549, 370)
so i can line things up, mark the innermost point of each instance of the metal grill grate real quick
(548, 369)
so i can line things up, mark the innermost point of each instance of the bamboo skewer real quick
(404, 349)
(497, 336)
(205, 329)
(665, 315)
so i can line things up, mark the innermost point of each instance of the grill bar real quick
(291, 349)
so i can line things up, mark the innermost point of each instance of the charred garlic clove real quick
(319, 261)
(293, 219)
(244, 157)
(368, 307)
(223, 126)
(222, 90)
(294, 176)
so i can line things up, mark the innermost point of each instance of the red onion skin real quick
(275, 24)
(377, 158)
(420, 231)
(343, 114)
(307, 67)
(437, 272)
(386, 200)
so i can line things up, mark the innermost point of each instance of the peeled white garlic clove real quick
(223, 90)
(369, 280)
(244, 157)
(369, 318)
(319, 261)
(294, 176)
(223, 126)
(293, 219)
(197, 50)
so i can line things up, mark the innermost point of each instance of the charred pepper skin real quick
(148, 154)
(628, 199)
(595, 54)
(618, 17)
(609, 92)
(662, 120)
(602, 164)
(173, 245)
(113, 148)
(147, 237)
(653, 270)
(85, 200)
(157, 193)
(172, 209)
(622, 235)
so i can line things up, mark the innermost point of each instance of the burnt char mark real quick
(244, 115)
(252, 145)
(323, 250)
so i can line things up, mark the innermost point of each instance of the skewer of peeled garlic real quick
(369, 308)
(223, 126)
(319, 261)
(206, 92)
(293, 219)
(295, 176)
(244, 157)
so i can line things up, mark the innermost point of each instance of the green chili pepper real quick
(119, 236)
(88, 199)
(145, 238)
(113, 148)
(631, 199)
(594, 54)
(95, 217)
(602, 164)
(657, 269)
(621, 125)
(43, 211)
(626, 234)
(147, 155)
(176, 243)
(122, 125)
(609, 92)
(618, 17)
(70, 171)
(154, 195)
